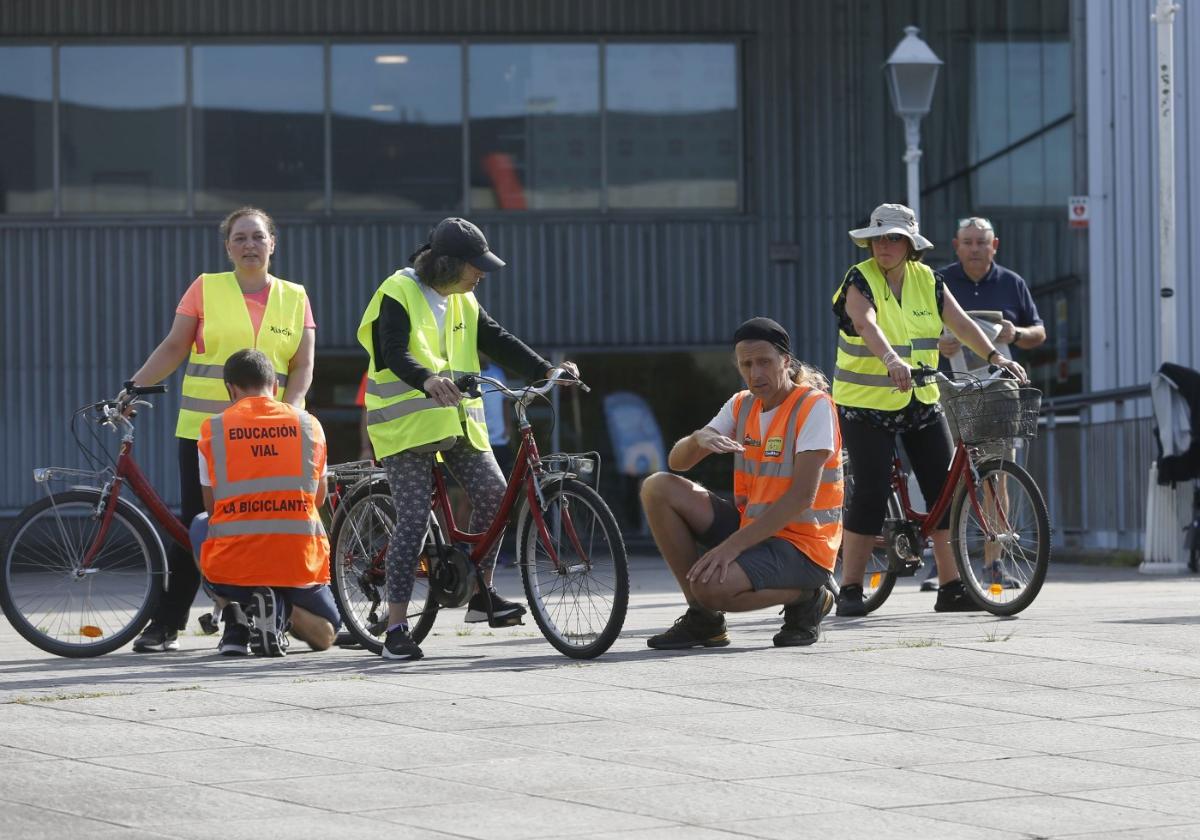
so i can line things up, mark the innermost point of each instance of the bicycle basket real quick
(997, 410)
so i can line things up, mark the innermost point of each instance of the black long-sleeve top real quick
(391, 330)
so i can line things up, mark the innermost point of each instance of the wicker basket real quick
(997, 410)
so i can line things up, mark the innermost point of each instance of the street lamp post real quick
(912, 71)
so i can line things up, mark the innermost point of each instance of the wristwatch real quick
(1018, 333)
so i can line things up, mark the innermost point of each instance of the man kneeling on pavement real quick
(261, 545)
(776, 545)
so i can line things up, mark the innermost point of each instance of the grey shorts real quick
(771, 564)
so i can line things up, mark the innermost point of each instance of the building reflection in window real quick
(259, 127)
(26, 176)
(397, 127)
(122, 124)
(535, 126)
(672, 125)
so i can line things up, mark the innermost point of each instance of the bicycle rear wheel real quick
(63, 608)
(881, 573)
(1001, 538)
(579, 603)
(359, 540)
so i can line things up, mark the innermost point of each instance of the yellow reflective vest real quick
(227, 329)
(912, 328)
(400, 417)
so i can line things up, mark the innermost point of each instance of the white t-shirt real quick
(204, 482)
(816, 434)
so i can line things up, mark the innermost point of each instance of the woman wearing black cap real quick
(422, 329)
(891, 309)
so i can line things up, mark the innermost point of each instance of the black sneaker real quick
(157, 638)
(850, 601)
(953, 597)
(802, 622)
(995, 574)
(504, 613)
(695, 628)
(398, 644)
(266, 624)
(235, 641)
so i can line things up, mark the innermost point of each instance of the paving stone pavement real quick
(1080, 718)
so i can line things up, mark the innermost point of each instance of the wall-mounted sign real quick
(1078, 214)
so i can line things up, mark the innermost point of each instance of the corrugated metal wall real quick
(1123, 179)
(85, 301)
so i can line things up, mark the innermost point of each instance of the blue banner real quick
(637, 441)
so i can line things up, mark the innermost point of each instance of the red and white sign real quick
(1078, 214)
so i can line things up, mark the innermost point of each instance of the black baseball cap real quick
(459, 238)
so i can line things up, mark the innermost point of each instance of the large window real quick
(672, 125)
(1019, 90)
(386, 127)
(26, 167)
(122, 138)
(535, 126)
(397, 127)
(259, 127)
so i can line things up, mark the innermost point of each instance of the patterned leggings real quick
(410, 476)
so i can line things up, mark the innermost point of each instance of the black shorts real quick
(771, 564)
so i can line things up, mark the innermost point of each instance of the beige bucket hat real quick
(892, 218)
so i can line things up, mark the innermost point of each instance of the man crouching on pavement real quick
(777, 543)
(261, 542)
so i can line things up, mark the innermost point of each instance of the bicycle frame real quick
(961, 469)
(526, 468)
(128, 472)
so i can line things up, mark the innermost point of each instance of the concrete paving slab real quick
(1078, 716)
(1046, 816)
(1053, 773)
(519, 816)
(867, 822)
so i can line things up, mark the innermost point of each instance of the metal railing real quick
(1092, 460)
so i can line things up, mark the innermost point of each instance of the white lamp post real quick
(912, 71)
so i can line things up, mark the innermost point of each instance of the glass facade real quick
(26, 167)
(535, 126)
(259, 127)
(673, 125)
(373, 128)
(397, 127)
(122, 146)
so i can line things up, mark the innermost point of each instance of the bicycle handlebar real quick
(923, 374)
(469, 385)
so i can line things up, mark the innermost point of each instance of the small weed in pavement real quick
(995, 636)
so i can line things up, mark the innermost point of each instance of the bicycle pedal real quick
(208, 624)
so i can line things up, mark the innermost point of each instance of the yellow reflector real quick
(995, 589)
(875, 580)
(91, 631)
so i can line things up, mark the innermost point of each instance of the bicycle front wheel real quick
(577, 583)
(359, 541)
(56, 603)
(1001, 538)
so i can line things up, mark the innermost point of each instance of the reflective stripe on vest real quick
(251, 527)
(912, 328)
(400, 417)
(227, 329)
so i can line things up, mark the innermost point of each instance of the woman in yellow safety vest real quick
(423, 329)
(218, 315)
(891, 309)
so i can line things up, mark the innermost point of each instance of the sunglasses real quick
(890, 237)
(976, 222)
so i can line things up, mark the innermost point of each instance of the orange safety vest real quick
(762, 473)
(265, 460)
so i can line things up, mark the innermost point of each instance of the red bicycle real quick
(84, 568)
(569, 547)
(999, 527)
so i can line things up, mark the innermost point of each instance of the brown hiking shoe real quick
(694, 628)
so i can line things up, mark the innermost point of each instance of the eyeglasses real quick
(890, 237)
(976, 222)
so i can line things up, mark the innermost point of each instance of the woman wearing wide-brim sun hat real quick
(891, 309)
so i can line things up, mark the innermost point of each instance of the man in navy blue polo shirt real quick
(977, 281)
